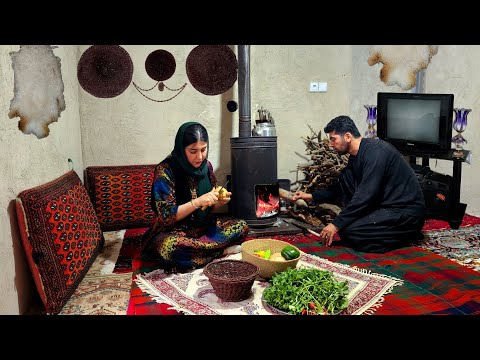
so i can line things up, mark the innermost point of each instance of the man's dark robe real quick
(384, 204)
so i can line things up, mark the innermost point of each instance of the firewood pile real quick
(322, 167)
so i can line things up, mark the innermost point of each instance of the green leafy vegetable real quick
(306, 291)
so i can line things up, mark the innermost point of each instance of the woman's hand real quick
(217, 197)
(224, 196)
(301, 195)
(206, 200)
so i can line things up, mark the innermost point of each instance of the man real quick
(384, 208)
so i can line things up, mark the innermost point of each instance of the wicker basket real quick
(232, 280)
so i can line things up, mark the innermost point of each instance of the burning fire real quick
(268, 208)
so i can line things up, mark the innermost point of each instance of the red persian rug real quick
(131, 247)
(132, 240)
(432, 224)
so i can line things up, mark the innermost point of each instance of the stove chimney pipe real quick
(245, 125)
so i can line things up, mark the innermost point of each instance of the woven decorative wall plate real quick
(160, 65)
(212, 69)
(105, 71)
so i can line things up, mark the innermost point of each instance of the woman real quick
(185, 234)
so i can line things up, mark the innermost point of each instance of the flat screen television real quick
(416, 123)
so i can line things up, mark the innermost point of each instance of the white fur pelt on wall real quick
(38, 89)
(401, 62)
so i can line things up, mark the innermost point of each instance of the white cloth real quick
(192, 293)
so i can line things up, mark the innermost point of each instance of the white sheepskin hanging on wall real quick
(401, 62)
(38, 89)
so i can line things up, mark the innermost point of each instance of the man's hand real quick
(327, 233)
(302, 195)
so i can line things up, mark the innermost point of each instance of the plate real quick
(272, 309)
(276, 311)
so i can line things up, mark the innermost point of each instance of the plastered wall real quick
(27, 161)
(130, 129)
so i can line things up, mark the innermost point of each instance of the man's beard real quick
(344, 149)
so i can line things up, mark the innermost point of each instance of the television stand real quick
(442, 192)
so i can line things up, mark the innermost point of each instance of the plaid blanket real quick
(432, 284)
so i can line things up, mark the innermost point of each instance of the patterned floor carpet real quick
(105, 289)
(462, 245)
(100, 295)
(102, 292)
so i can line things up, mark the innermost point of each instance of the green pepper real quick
(290, 253)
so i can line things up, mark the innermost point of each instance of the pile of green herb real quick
(306, 291)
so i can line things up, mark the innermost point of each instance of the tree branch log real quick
(322, 168)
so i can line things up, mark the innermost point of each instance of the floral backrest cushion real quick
(121, 195)
(61, 237)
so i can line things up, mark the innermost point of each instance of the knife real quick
(224, 186)
(303, 226)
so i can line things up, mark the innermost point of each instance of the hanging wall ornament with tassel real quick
(160, 65)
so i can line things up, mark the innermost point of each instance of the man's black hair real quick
(341, 125)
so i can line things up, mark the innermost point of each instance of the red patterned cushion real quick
(121, 195)
(61, 237)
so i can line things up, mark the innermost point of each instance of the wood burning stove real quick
(254, 180)
(253, 160)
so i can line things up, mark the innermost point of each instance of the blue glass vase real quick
(459, 125)
(371, 121)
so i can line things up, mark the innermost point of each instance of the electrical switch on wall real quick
(318, 87)
(314, 87)
(322, 87)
